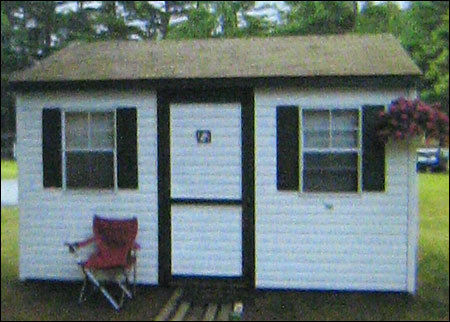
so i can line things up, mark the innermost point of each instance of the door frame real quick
(244, 96)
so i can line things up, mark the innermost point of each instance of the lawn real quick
(9, 169)
(56, 301)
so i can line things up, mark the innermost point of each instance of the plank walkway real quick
(178, 308)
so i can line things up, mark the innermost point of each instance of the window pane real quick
(102, 127)
(317, 139)
(316, 127)
(344, 128)
(102, 170)
(344, 119)
(345, 139)
(77, 129)
(330, 172)
(77, 169)
(90, 170)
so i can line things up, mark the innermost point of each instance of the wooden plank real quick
(169, 306)
(224, 312)
(181, 312)
(210, 312)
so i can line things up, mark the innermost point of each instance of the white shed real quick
(252, 162)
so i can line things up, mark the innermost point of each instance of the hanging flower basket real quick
(409, 119)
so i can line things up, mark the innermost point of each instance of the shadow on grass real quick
(309, 305)
(46, 300)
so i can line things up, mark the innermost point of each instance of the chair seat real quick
(97, 261)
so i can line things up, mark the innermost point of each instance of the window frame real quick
(65, 150)
(330, 150)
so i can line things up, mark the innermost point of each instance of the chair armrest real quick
(73, 247)
(86, 242)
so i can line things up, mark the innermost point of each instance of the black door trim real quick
(245, 96)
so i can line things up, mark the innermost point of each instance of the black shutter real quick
(127, 169)
(287, 148)
(51, 147)
(373, 151)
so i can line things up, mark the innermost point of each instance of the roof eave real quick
(260, 81)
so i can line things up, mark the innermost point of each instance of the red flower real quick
(413, 128)
(432, 114)
(408, 118)
(443, 117)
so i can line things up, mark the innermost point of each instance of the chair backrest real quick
(115, 234)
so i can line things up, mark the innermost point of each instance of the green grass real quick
(57, 301)
(9, 169)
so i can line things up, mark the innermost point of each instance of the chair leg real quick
(103, 290)
(125, 287)
(125, 290)
(122, 298)
(134, 278)
(82, 297)
(128, 290)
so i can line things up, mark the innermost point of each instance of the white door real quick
(206, 189)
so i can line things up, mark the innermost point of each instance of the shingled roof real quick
(308, 56)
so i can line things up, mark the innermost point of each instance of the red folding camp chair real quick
(115, 257)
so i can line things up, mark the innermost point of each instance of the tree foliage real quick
(318, 17)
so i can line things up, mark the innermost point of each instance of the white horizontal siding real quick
(345, 241)
(211, 170)
(50, 217)
(206, 240)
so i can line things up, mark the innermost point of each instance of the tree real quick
(111, 20)
(379, 18)
(423, 32)
(438, 71)
(425, 36)
(78, 24)
(218, 19)
(417, 25)
(229, 14)
(317, 17)
(200, 23)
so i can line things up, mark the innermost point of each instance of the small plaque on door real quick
(203, 136)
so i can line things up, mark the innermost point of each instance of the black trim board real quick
(373, 151)
(288, 147)
(164, 222)
(221, 83)
(127, 148)
(51, 148)
(245, 96)
(183, 201)
(248, 186)
(207, 281)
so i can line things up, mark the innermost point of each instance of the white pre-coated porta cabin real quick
(246, 161)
